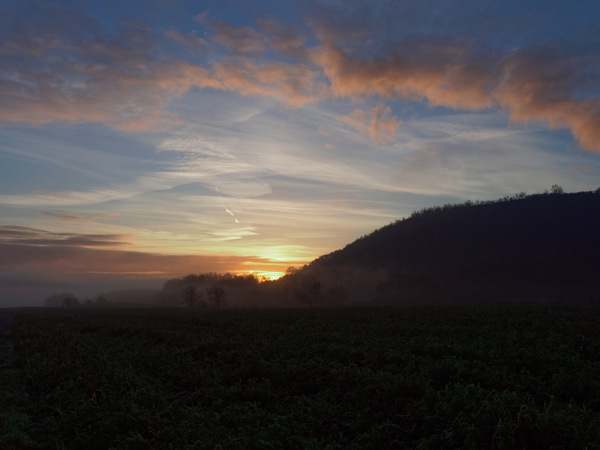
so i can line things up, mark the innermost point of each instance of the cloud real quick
(62, 76)
(73, 197)
(196, 160)
(62, 215)
(442, 74)
(21, 235)
(582, 169)
(540, 84)
(238, 39)
(233, 234)
(212, 163)
(52, 70)
(123, 81)
(378, 123)
(188, 39)
(285, 39)
(292, 84)
(544, 85)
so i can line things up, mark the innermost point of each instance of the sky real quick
(143, 140)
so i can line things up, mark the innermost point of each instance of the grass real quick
(435, 377)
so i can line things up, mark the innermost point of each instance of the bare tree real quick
(216, 296)
(191, 296)
(308, 290)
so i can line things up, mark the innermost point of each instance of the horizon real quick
(147, 141)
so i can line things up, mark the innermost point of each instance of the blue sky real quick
(143, 140)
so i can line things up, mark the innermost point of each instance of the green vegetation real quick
(422, 377)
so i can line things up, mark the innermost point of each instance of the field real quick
(364, 378)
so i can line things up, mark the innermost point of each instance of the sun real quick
(264, 275)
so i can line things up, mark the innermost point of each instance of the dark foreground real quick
(463, 377)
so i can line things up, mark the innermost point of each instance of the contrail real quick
(232, 215)
(227, 210)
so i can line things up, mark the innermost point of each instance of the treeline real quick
(210, 290)
(428, 211)
(117, 298)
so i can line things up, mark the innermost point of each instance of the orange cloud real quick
(121, 82)
(442, 76)
(47, 75)
(285, 39)
(294, 84)
(543, 86)
(106, 82)
(582, 169)
(378, 123)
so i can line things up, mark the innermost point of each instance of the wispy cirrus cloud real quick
(378, 123)
(190, 40)
(238, 39)
(195, 160)
(68, 217)
(22, 235)
(285, 39)
(72, 197)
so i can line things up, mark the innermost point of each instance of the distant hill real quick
(537, 248)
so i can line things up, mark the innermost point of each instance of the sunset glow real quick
(145, 140)
(268, 275)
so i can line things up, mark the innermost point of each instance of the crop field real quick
(355, 378)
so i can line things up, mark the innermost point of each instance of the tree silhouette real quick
(70, 302)
(308, 290)
(191, 296)
(216, 296)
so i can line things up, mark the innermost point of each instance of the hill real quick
(538, 248)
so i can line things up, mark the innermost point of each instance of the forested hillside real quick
(542, 247)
